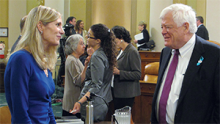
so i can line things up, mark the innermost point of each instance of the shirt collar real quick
(200, 25)
(183, 50)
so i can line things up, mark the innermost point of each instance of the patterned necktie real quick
(167, 87)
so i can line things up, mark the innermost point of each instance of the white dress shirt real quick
(112, 83)
(183, 61)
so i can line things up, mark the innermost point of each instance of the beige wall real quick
(156, 6)
(4, 21)
(112, 12)
(143, 12)
(78, 10)
(33, 3)
(212, 19)
(16, 10)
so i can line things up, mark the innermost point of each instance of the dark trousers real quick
(121, 102)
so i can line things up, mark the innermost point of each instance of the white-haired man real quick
(188, 83)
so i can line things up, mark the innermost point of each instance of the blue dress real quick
(28, 91)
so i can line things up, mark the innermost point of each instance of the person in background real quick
(99, 72)
(28, 79)
(201, 31)
(80, 29)
(68, 31)
(72, 20)
(127, 72)
(74, 73)
(142, 43)
(188, 85)
(22, 21)
(83, 57)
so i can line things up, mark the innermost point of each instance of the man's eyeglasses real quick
(90, 37)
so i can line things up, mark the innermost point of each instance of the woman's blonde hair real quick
(32, 40)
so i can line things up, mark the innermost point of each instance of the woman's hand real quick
(116, 71)
(135, 41)
(87, 61)
(76, 108)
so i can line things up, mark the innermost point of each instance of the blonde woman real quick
(28, 79)
(142, 43)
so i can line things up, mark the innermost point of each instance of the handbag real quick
(150, 44)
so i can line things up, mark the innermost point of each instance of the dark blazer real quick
(126, 85)
(203, 32)
(15, 44)
(200, 95)
(144, 40)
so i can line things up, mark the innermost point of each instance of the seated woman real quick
(142, 43)
(74, 73)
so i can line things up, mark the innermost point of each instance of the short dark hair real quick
(200, 18)
(121, 33)
(70, 19)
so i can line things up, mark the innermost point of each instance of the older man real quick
(188, 83)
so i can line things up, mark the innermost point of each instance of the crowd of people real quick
(188, 83)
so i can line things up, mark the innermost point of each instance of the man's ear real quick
(186, 27)
(40, 26)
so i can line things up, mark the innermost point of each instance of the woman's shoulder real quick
(99, 54)
(21, 58)
(21, 54)
(132, 48)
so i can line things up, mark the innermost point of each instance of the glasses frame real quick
(90, 37)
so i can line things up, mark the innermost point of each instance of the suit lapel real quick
(121, 56)
(192, 69)
(124, 52)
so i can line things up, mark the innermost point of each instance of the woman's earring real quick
(121, 41)
(41, 32)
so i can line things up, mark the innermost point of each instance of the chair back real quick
(151, 72)
(214, 42)
(5, 115)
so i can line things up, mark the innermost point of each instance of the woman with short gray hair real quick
(74, 73)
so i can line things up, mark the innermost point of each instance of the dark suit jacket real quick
(126, 85)
(203, 32)
(200, 95)
(15, 44)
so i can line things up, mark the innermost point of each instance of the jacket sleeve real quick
(75, 73)
(146, 37)
(19, 89)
